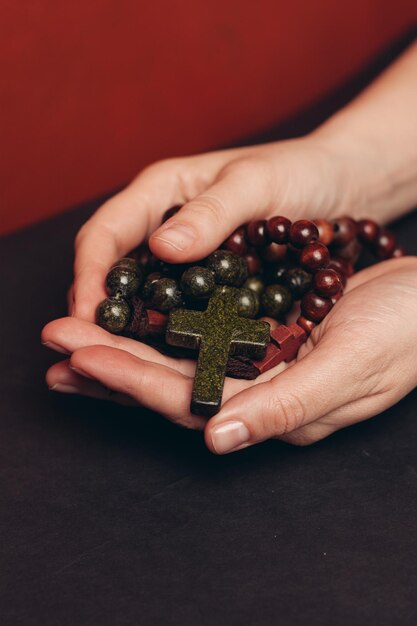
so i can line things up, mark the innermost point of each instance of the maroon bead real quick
(236, 243)
(274, 252)
(326, 232)
(293, 254)
(385, 244)
(327, 283)
(303, 232)
(256, 233)
(171, 212)
(351, 252)
(344, 265)
(305, 324)
(336, 266)
(345, 230)
(315, 307)
(278, 229)
(368, 231)
(315, 256)
(398, 252)
(144, 257)
(254, 263)
(337, 297)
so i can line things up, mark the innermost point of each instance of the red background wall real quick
(91, 91)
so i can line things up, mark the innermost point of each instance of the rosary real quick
(212, 307)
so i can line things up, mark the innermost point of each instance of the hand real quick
(359, 361)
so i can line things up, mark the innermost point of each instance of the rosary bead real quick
(248, 303)
(147, 287)
(166, 295)
(303, 232)
(385, 244)
(315, 307)
(351, 252)
(368, 231)
(228, 268)
(315, 256)
(326, 232)
(293, 254)
(327, 283)
(305, 324)
(255, 284)
(298, 281)
(337, 267)
(197, 282)
(126, 262)
(275, 274)
(123, 280)
(144, 258)
(236, 243)
(256, 233)
(274, 252)
(113, 314)
(276, 300)
(398, 252)
(171, 212)
(345, 230)
(278, 229)
(253, 262)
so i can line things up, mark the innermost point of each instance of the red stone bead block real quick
(315, 256)
(385, 244)
(286, 341)
(303, 232)
(236, 243)
(368, 231)
(327, 283)
(315, 307)
(298, 332)
(345, 229)
(273, 357)
(326, 232)
(156, 321)
(278, 229)
(256, 233)
(307, 325)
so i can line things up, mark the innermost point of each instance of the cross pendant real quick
(217, 333)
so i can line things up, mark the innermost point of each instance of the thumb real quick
(240, 194)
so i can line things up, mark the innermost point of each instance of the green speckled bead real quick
(148, 285)
(197, 282)
(248, 305)
(126, 262)
(298, 282)
(123, 280)
(255, 283)
(276, 300)
(113, 314)
(166, 295)
(227, 268)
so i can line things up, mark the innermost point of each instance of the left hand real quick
(358, 362)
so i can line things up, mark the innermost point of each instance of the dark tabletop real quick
(113, 516)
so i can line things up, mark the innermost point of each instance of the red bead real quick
(337, 297)
(278, 229)
(254, 263)
(315, 307)
(345, 230)
(293, 254)
(305, 324)
(344, 265)
(315, 256)
(385, 244)
(351, 252)
(256, 233)
(236, 243)
(303, 232)
(326, 232)
(144, 257)
(274, 252)
(171, 212)
(327, 283)
(368, 231)
(335, 265)
(398, 252)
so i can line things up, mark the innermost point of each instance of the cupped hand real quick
(359, 361)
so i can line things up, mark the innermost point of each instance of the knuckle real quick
(287, 413)
(209, 206)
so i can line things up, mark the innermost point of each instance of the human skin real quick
(359, 361)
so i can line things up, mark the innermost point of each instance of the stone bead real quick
(144, 258)
(278, 229)
(274, 252)
(385, 244)
(345, 230)
(337, 267)
(253, 262)
(326, 232)
(276, 300)
(275, 274)
(123, 280)
(256, 233)
(298, 281)
(236, 243)
(248, 303)
(327, 283)
(305, 324)
(126, 262)
(398, 252)
(351, 252)
(166, 295)
(255, 284)
(171, 212)
(368, 231)
(315, 256)
(344, 265)
(113, 314)
(147, 287)
(293, 254)
(315, 307)
(197, 282)
(303, 232)
(228, 268)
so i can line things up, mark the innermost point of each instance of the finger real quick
(203, 223)
(70, 299)
(69, 334)
(152, 385)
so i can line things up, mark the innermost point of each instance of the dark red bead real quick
(385, 244)
(171, 212)
(256, 233)
(315, 307)
(337, 267)
(236, 243)
(326, 232)
(351, 252)
(344, 265)
(315, 256)
(303, 232)
(337, 297)
(368, 231)
(254, 263)
(344, 229)
(305, 324)
(278, 229)
(398, 252)
(274, 252)
(144, 257)
(327, 283)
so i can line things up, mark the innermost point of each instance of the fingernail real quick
(80, 372)
(64, 388)
(229, 436)
(54, 346)
(179, 236)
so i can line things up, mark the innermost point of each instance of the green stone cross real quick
(218, 333)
